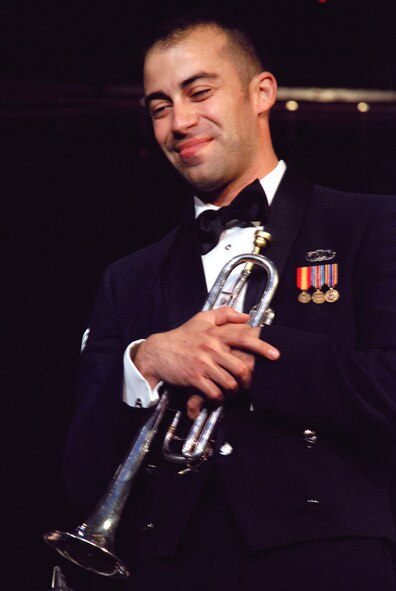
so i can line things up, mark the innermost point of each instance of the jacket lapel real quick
(182, 276)
(286, 214)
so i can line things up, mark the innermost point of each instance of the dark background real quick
(81, 178)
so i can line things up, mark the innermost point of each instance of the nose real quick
(184, 116)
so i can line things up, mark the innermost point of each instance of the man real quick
(295, 495)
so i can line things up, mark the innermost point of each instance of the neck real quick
(225, 195)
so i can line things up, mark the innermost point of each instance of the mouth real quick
(189, 148)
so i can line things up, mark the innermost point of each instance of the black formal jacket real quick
(336, 377)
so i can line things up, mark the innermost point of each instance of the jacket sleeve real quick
(322, 382)
(103, 426)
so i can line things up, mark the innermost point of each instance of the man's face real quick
(203, 114)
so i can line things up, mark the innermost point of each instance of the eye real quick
(159, 110)
(201, 94)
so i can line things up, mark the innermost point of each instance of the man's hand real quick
(212, 352)
(196, 401)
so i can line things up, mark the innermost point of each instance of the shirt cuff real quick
(136, 389)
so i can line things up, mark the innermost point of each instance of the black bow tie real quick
(250, 205)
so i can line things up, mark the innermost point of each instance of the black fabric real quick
(250, 205)
(213, 556)
(336, 375)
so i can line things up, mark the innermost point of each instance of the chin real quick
(202, 182)
(204, 187)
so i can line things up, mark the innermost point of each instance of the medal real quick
(317, 280)
(303, 283)
(318, 297)
(332, 295)
(304, 297)
(317, 276)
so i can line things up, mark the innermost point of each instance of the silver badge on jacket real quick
(322, 254)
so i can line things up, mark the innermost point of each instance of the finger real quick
(262, 348)
(220, 373)
(247, 358)
(246, 338)
(239, 366)
(208, 388)
(194, 406)
(226, 314)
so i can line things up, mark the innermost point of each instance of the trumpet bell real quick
(88, 553)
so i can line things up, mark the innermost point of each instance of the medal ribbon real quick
(317, 276)
(331, 274)
(328, 275)
(334, 271)
(303, 278)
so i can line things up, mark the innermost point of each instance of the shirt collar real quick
(269, 183)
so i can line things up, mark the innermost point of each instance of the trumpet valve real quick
(268, 317)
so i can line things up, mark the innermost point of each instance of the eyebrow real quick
(184, 84)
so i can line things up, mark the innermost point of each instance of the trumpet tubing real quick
(198, 444)
(91, 544)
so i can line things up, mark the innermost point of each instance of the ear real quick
(264, 88)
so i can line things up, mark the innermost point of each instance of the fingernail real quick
(273, 354)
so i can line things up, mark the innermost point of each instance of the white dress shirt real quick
(233, 241)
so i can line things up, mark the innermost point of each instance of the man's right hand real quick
(204, 353)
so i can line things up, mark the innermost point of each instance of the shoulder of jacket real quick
(351, 204)
(350, 196)
(151, 255)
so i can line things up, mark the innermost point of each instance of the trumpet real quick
(91, 544)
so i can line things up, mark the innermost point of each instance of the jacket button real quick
(310, 437)
(148, 527)
(313, 503)
(226, 449)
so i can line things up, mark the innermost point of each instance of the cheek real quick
(232, 119)
(160, 132)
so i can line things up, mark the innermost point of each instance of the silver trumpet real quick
(91, 544)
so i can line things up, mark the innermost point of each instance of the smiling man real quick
(295, 495)
(210, 112)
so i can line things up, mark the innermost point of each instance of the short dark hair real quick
(243, 37)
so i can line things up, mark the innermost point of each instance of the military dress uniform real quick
(301, 493)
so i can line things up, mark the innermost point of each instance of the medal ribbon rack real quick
(318, 276)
